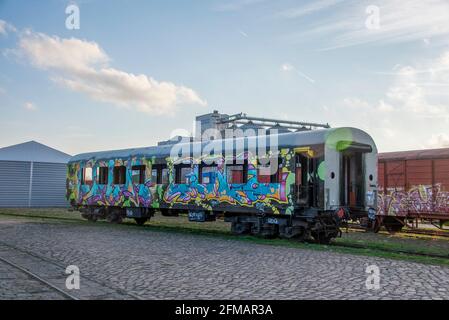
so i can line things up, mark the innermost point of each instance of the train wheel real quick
(321, 238)
(140, 221)
(114, 217)
(239, 228)
(393, 225)
(377, 224)
(92, 218)
(269, 231)
(393, 228)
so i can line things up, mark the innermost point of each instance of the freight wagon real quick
(413, 185)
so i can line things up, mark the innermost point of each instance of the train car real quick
(321, 178)
(413, 185)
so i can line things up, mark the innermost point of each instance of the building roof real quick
(415, 154)
(33, 151)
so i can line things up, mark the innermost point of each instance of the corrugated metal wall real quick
(47, 189)
(14, 183)
(49, 185)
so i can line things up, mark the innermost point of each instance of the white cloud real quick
(5, 27)
(362, 105)
(30, 106)
(69, 55)
(307, 9)
(400, 21)
(84, 67)
(287, 67)
(243, 33)
(423, 90)
(411, 113)
(440, 140)
(356, 103)
(235, 5)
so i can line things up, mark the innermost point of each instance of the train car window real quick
(120, 175)
(154, 176)
(164, 176)
(86, 176)
(102, 175)
(208, 174)
(237, 173)
(159, 174)
(181, 173)
(269, 173)
(264, 173)
(138, 174)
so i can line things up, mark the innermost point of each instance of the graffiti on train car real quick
(262, 196)
(418, 199)
(125, 195)
(250, 194)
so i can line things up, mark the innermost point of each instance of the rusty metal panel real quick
(419, 172)
(395, 174)
(417, 184)
(442, 173)
(380, 176)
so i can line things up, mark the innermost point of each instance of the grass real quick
(420, 249)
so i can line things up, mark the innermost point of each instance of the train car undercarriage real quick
(312, 224)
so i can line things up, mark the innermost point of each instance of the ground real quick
(128, 262)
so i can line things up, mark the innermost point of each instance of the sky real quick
(130, 73)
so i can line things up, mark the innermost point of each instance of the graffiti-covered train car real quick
(297, 184)
(413, 185)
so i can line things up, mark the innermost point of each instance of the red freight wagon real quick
(413, 185)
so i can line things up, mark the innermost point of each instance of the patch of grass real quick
(48, 213)
(359, 243)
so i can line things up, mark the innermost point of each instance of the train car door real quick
(304, 180)
(352, 179)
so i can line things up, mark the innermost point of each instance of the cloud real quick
(30, 106)
(423, 90)
(307, 9)
(287, 67)
(243, 33)
(5, 27)
(83, 66)
(70, 55)
(235, 5)
(414, 110)
(345, 25)
(440, 140)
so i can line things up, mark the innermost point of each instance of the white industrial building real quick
(32, 175)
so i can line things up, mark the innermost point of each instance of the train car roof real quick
(292, 139)
(415, 154)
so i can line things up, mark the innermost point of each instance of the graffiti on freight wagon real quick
(262, 196)
(418, 199)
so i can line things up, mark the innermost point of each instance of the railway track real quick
(39, 279)
(405, 252)
(417, 232)
(102, 289)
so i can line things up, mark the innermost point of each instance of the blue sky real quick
(136, 71)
